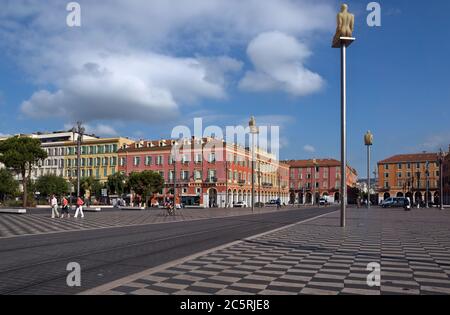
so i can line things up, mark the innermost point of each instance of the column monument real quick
(343, 39)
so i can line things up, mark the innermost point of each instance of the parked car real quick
(240, 204)
(397, 202)
(323, 202)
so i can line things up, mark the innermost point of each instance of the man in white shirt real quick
(54, 205)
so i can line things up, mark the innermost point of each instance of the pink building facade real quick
(207, 172)
(310, 180)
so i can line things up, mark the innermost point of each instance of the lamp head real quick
(252, 125)
(368, 139)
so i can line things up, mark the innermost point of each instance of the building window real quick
(400, 166)
(185, 175)
(148, 160)
(136, 161)
(185, 159)
(212, 175)
(160, 160)
(198, 175)
(386, 175)
(386, 166)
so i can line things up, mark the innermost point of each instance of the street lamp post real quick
(368, 141)
(80, 131)
(253, 131)
(441, 179)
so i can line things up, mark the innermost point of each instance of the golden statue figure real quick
(345, 25)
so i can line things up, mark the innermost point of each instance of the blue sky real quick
(139, 68)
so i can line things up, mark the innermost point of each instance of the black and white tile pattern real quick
(318, 257)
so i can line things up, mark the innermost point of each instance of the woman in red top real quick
(65, 208)
(80, 204)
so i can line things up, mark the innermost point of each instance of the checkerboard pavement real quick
(317, 258)
(15, 225)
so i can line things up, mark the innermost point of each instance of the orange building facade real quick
(410, 175)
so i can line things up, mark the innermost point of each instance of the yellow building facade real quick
(99, 158)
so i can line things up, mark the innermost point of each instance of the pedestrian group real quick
(65, 207)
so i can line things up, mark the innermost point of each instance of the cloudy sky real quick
(140, 68)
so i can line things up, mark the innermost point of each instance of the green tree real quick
(51, 184)
(146, 183)
(8, 185)
(91, 185)
(117, 183)
(21, 154)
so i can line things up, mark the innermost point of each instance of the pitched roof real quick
(406, 158)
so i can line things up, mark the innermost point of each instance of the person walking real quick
(54, 205)
(79, 210)
(65, 208)
(407, 204)
(278, 204)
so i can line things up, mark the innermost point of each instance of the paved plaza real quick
(31, 224)
(315, 257)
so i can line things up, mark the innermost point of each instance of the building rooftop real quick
(313, 163)
(411, 158)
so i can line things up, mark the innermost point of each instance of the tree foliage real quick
(51, 184)
(146, 183)
(117, 183)
(20, 154)
(8, 185)
(91, 184)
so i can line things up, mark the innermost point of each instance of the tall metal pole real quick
(368, 177)
(80, 131)
(343, 133)
(253, 172)
(226, 181)
(428, 185)
(174, 160)
(441, 180)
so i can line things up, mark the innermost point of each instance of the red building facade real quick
(207, 172)
(310, 180)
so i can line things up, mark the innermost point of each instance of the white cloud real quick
(102, 130)
(309, 148)
(279, 65)
(144, 60)
(129, 87)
